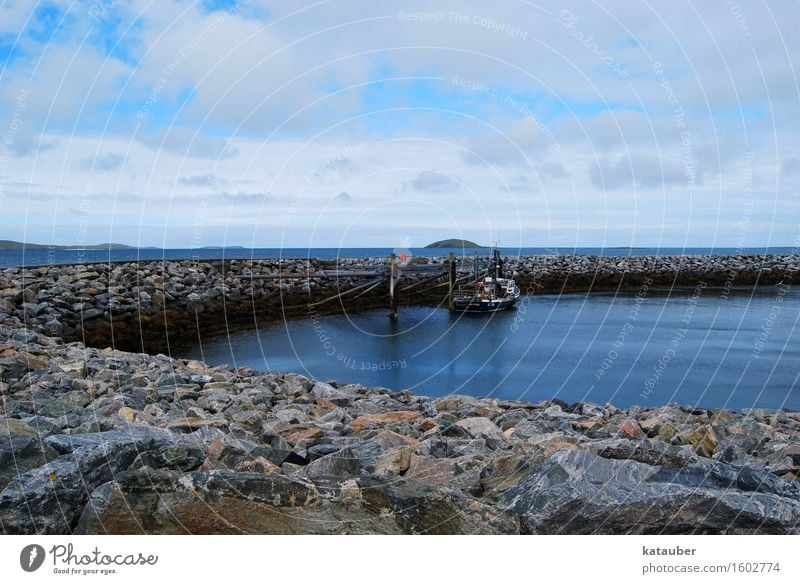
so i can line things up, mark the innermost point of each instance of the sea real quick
(699, 347)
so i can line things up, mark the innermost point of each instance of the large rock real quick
(434, 471)
(393, 462)
(483, 428)
(73, 401)
(12, 368)
(182, 456)
(579, 492)
(50, 498)
(341, 464)
(219, 501)
(703, 439)
(326, 392)
(189, 424)
(383, 419)
(426, 509)
(167, 502)
(21, 450)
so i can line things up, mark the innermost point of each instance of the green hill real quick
(453, 243)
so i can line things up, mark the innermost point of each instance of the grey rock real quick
(184, 457)
(169, 502)
(340, 464)
(484, 428)
(12, 368)
(338, 396)
(426, 509)
(578, 492)
(50, 498)
(21, 450)
(69, 403)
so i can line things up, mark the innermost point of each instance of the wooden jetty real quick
(453, 270)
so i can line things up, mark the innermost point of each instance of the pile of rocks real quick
(579, 273)
(104, 441)
(134, 305)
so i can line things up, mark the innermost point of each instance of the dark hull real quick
(482, 305)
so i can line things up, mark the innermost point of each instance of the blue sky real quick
(537, 125)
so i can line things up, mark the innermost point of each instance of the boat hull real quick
(472, 305)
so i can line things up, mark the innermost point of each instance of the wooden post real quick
(392, 284)
(452, 272)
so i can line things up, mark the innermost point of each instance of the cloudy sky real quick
(359, 123)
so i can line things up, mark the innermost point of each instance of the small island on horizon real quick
(8, 244)
(452, 243)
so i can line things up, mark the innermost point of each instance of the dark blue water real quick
(697, 347)
(14, 257)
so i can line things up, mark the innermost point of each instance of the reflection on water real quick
(701, 347)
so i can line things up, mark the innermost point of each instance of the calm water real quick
(14, 257)
(697, 347)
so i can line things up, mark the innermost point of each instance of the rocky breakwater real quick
(151, 305)
(104, 441)
(552, 274)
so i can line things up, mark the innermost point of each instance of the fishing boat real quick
(490, 293)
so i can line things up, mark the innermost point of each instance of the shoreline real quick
(100, 440)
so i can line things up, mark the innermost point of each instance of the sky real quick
(179, 123)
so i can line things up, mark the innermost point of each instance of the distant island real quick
(8, 244)
(453, 243)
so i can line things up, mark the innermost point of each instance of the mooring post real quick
(452, 271)
(392, 284)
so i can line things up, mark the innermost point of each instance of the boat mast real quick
(496, 260)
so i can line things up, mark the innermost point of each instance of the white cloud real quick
(103, 162)
(265, 105)
(431, 182)
(343, 198)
